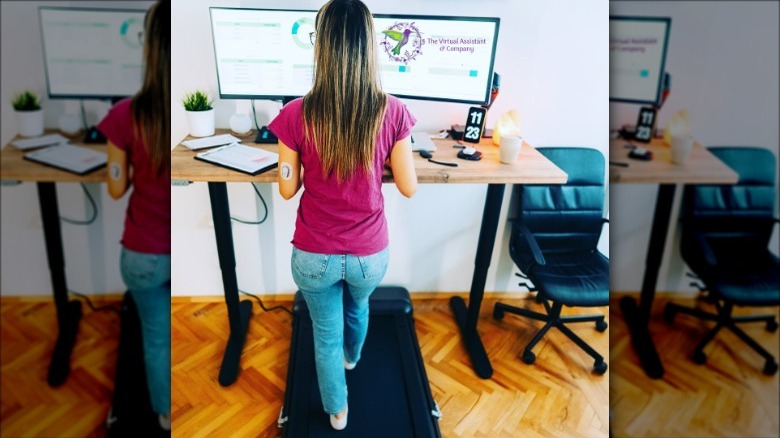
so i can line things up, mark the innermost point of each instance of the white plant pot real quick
(201, 123)
(30, 123)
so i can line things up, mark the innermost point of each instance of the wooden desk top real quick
(702, 167)
(13, 167)
(531, 167)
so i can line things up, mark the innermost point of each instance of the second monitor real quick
(269, 54)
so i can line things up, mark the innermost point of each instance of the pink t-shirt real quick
(148, 217)
(346, 218)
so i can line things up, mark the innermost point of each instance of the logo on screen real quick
(129, 30)
(402, 42)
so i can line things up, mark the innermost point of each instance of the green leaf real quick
(197, 101)
(26, 101)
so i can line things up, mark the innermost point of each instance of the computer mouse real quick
(425, 154)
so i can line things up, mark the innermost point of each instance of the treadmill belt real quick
(389, 394)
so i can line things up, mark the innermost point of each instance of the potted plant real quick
(29, 114)
(200, 113)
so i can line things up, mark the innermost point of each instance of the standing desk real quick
(13, 168)
(702, 167)
(531, 168)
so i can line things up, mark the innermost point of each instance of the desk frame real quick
(15, 168)
(68, 312)
(702, 168)
(466, 314)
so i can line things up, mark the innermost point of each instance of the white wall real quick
(723, 58)
(91, 253)
(553, 58)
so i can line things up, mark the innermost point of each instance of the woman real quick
(138, 134)
(342, 133)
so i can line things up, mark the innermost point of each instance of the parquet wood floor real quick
(78, 408)
(558, 396)
(728, 396)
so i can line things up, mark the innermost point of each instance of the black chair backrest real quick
(565, 218)
(743, 211)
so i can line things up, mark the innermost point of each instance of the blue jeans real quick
(148, 278)
(340, 321)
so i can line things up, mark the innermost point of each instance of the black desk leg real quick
(638, 318)
(466, 317)
(238, 312)
(68, 312)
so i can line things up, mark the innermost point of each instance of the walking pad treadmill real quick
(389, 394)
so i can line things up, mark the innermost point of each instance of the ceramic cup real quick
(681, 148)
(509, 148)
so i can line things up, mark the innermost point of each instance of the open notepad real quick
(76, 159)
(241, 158)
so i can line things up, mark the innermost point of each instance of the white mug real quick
(681, 148)
(509, 148)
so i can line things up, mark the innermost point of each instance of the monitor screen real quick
(437, 58)
(268, 54)
(637, 55)
(92, 53)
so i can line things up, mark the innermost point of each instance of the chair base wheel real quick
(498, 313)
(600, 367)
(699, 357)
(669, 314)
(529, 357)
(601, 326)
(770, 368)
(771, 326)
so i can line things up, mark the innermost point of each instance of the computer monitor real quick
(267, 54)
(637, 58)
(448, 59)
(92, 53)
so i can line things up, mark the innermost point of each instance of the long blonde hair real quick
(345, 108)
(151, 106)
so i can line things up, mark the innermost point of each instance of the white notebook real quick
(65, 156)
(36, 142)
(242, 158)
(209, 142)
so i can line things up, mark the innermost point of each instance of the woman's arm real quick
(289, 171)
(402, 164)
(118, 171)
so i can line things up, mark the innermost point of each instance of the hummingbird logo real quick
(402, 39)
(402, 42)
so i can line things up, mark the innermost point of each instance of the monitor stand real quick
(264, 136)
(94, 136)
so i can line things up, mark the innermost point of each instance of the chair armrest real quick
(709, 255)
(531, 240)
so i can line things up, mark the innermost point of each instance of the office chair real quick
(553, 242)
(725, 237)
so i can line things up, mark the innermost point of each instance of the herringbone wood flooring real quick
(728, 396)
(557, 396)
(79, 407)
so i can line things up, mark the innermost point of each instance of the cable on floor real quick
(263, 306)
(92, 306)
